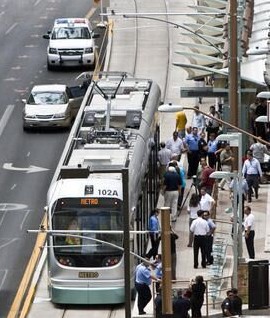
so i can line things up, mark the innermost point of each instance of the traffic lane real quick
(23, 50)
(22, 198)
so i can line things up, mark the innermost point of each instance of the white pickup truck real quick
(71, 43)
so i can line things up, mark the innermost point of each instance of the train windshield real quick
(86, 248)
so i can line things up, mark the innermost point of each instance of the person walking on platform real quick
(143, 279)
(209, 238)
(197, 297)
(174, 237)
(207, 202)
(171, 189)
(199, 228)
(180, 124)
(193, 207)
(212, 147)
(154, 233)
(252, 172)
(164, 157)
(176, 145)
(192, 144)
(249, 226)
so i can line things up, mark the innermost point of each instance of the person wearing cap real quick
(252, 172)
(171, 188)
(176, 145)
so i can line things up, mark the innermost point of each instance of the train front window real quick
(83, 246)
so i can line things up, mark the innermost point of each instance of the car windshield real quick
(49, 98)
(71, 33)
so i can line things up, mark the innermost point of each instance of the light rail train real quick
(116, 128)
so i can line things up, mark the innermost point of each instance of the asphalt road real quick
(23, 187)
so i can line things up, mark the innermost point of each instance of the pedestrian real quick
(199, 228)
(181, 305)
(198, 120)
(181, 171)
(174, 237)
(236, 302)
(252, 172)
(164, 157)
(259, 150)
(226, 160)
(158, 304)
(249, 225)
(227, 305)
(202, 146)
(154, 233)
(205, 180)
(180, 124)
(171, 190)
(212, 125)
(244, 192)
(191, 142)
(193, 207)
(212, 147)
(158, 271)
(176, 145)
(197, 297)
(143, 279)
(207, 202)
(209, 238)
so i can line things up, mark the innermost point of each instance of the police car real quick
(71, 43)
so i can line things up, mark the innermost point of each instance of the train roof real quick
(115, 116)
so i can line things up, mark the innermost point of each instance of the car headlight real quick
(29, 116)
(88, 50)
(60, 115)
(52, 50)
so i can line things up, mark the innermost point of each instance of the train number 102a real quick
(106, 192)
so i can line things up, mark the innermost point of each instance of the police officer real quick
(143, 279)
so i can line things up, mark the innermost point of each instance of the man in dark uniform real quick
(236, 302)
(226, 306)
(181, 305)
(143, 278)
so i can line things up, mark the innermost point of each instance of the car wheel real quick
(49, 67)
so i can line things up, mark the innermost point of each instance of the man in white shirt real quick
(164, 157)
(249, 232)
(199, 228)
(198, 120)
(207, 202)
(252, 172)
(176, 145)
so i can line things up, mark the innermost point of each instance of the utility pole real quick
(166, 263)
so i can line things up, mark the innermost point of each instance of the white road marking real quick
(2, 217)
(8, 243)
(5, 118)
(30, 169)
(37, 3)
(12, 206)
(10, 79)
(11, 28)
(24, 218)
(13, 187)
(4, 277)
